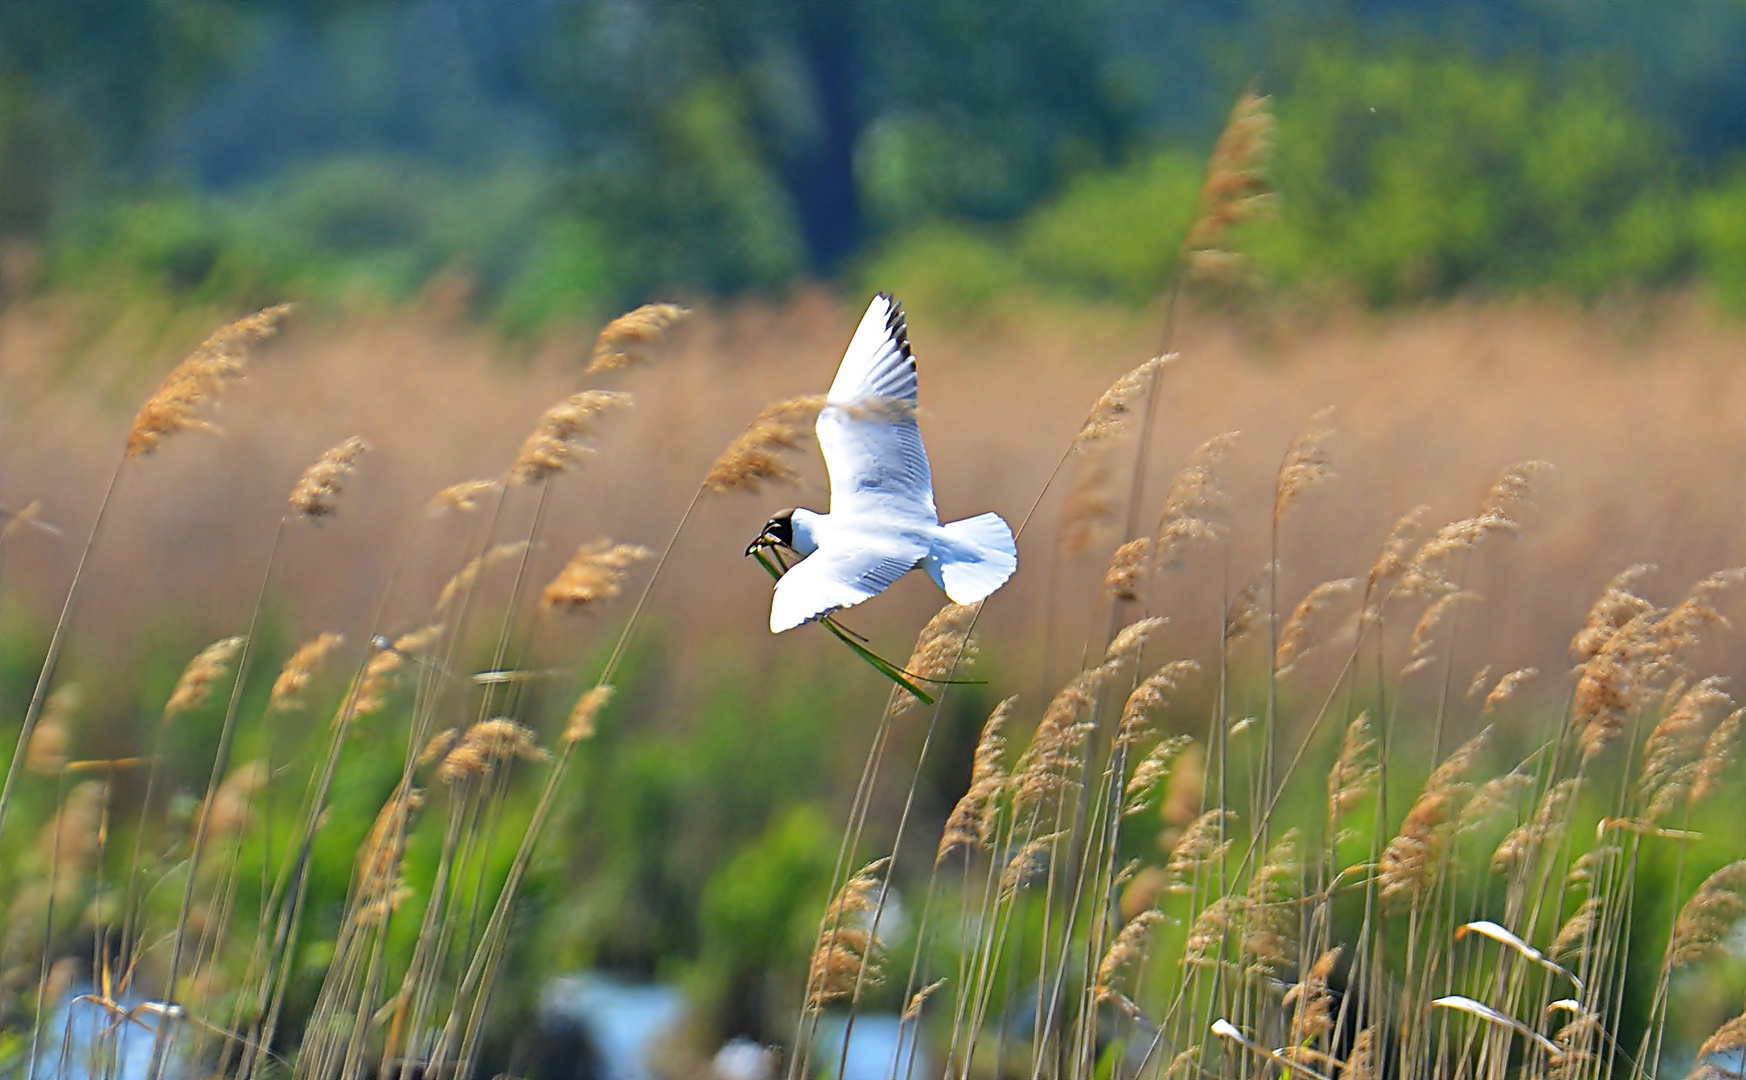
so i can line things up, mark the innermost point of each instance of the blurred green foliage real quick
(570, 158)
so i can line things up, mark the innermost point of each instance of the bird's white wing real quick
(839, 576)
(868, 431)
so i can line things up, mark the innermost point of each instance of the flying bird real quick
(882, 522)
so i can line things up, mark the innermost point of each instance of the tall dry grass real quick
(1298, 825)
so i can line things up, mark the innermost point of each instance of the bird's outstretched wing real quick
(868, 431)
(833, 578)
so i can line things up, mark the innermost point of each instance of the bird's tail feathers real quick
(981, 557)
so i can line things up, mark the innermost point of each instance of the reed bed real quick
(1296, 775)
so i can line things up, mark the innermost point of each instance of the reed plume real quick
(1499, 794)
(382, 673)
(1670, 755)
(380, 889)
(846, 952)
(1109, 415)
(70, 840)
(1355, 773)
(629, 337)
(194, 688)
(944, 645)
(756, 455)
(1234, 192)
(1195, 496)
(1312, 1001)
(912, 1011)
(1127, 569)
(1270, 916)
(1574, 936)
(1419, 654)
(51, 743)
(1720, 752)
(586, 713)
(1506, 688)
(1023, 867)
(1519, 845)
(1306, 464)
(1202, 843)
(314, 494)
(1126, 950)
(464, 580)
(463, 498)
(561, 433)
(1410, 860)
(295, 675)
(200, 379)
(1296, 639)
(1088, 512)
(232, 809)
(972, 820)
(1709, 917)
(1150, 695)
(1723, 1054)
(594, 575)
(1151, 769)
(1615, 608)
(486, 745)
(1245, 607)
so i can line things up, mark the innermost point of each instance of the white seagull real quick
(882, 522)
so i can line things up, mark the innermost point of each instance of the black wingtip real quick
(896, 325)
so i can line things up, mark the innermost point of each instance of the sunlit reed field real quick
(1336, 724)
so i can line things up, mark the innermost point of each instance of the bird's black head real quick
(778, 531)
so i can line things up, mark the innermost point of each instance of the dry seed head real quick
(560, 434)
(468, 576)
(1206, 937)
(1131, 639)
(1089, 510)
(1185, 791)
(1419, 655)
(1127, 569)
(971, 823)
(194, 688)
(1545, 826)
(1617, 606)
(1235, 190)
(1025, 866)
(1513, 488)
(1573, 937)
(1306, 463)
(321, 483)
(69, 842)
(1682, 627)
(1354, 774)
(1498, 794)
(1202, 843)
(912, 1011)
(1314, 1004)
(593, 575)
(232, 812)
(586, 715)
(1108, 417)
(1152, 768)
(756, 456)
(845, 951)
(1361, 1061)
(1245, 607)
(1709, 917)
(1296, 640)
(380, 889)
(1411, 861)
(463, 498)
(382, 673)
(295, 675)
(439, 746)
(51, 743)
(628, 337)
(200, 378)
(1394, 557)
(1194, 495)
(943, 646)
(1724, 1048)
(486, 745)
(1272, 917)
(1427, 573)
(1480, 679)
(1151, 694)
(1044, 768)
(1717, 761)
(1506, 688)
(1125, 951)
(1678, 739)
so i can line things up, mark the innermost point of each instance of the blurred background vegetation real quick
(562, 158)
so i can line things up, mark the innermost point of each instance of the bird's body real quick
(882, 522)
